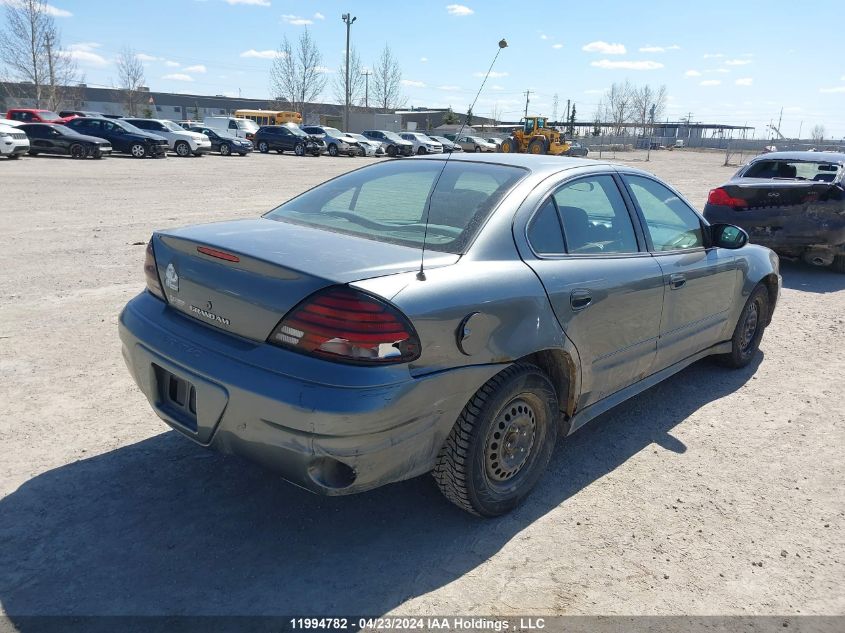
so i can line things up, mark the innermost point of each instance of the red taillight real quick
(722, 198)
(151, 272)
(348, 325)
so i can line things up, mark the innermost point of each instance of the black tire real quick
(421, 150)
(472, 470)
(182, 149)
(263, 147)
(838, 264)
(32, 153)
(138, 150)
(508, 146)
(299, 149)
(537, 146)
(225, 149)
(477, 148)
(14, 156)
(391, 151)
(333, 150)
(78, 151)
(749, 329)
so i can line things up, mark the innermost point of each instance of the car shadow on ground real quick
(801, 276)
(166, 527)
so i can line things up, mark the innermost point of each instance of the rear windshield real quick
(793, 169)
(387, 202)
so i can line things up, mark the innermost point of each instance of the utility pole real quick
(527, 93)
(799, 129)
(367, 74)
(52, 103)
(780, 120)
(348, 20)
(566, 120)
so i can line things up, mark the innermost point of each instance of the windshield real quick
(47, 115)
(359, 137)
(793, 169)
(173, 127)
(248, 125)
(295, 129)
(128, 126)
(393, 136)
(333, 131)
(387, 202)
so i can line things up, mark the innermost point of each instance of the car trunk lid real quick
(244, 276)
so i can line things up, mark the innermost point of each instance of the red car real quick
(33, 115)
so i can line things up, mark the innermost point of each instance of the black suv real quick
(393, 144)
(47, 138)
(123, 136)
(287, 138)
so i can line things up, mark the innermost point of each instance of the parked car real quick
(13, 142)
(34, 115)
(123, 136)
(49, 138)
(370, 147)
(474, 144)
(69, 114)
(181, 141)
(496, 141)
(224, 143)
(448, 146)
(792, 202)
(422, 144)
(242, 128)
(349, 371)
(576, 149)
(337, 142)
(287, 137)
(393, 144)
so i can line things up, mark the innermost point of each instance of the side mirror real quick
(728, 236)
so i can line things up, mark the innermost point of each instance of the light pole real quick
(349, 20)
(367, 74)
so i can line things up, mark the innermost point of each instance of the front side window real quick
(671, 224)
(388, 202)
(594, 217)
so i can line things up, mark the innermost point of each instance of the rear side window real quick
(671, 224)
(388, 202)
(544, 232)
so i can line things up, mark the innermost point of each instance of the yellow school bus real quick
(270, 117)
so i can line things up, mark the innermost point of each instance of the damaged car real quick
(792, 202)
(453, 317)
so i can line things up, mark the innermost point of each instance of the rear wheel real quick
(225, 149)
(749, 329)
(77, 151)
(838, 264)
(263, 147)
(501, 442)
(182, 149)
(477, 148)
(537, 146)
(138, 150)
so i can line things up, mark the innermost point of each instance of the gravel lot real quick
(716, 492)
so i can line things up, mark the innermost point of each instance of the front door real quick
(605, 288)
(700, 282)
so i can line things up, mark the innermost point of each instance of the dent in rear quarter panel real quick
(754, 264)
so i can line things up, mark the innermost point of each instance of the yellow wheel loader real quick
(535, 138)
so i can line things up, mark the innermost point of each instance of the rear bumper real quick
(351, 429)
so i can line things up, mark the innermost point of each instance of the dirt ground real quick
(716, 492)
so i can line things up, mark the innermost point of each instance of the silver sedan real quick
(447, 317)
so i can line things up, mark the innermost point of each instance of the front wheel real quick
(14, 156)
(299, 149)
(501, 443)
(263, 147)
(78, 151)
(333, 150)
(138, 150)
(391, 151)
(749, 329)
(508, 146)
(183, 149)
(421, 150)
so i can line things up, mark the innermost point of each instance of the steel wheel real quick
(510, 441)
(749, 329)
(225, 149)
(138, 150)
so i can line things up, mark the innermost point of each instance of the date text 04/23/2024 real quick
(455, 623)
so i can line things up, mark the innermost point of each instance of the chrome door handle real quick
(677, 280)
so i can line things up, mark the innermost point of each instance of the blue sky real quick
(729, 62)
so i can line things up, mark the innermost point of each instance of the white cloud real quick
(199, 68)
(557, 45)
(652, 49)
(458, 9)
(713, 55)
(494, 74)
(178, 77)
(832, 90)
(171, 64)
(49, 9)
(710, 82)
(266, 54)
(543, 36)
(410, 83)
(255, 3)
(296, 20)
(692, 73)
(737, 62)
(146, 58)
(83, 53)
(319, 16)
(423, 59)
(744, 81)
(626, 65)
(674, 47)
(449, 88)
(604, 48)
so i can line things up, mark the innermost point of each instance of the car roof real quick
(831, 157)
(534, 163)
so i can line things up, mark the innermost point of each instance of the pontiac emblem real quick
(171, 279)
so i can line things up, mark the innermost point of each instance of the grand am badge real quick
(171, 279)
(210, 315)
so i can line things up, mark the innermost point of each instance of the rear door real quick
(605, 288)
(700, 281)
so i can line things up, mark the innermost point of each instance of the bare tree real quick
(817, 133)
(619, 103)
(356, 80)
(387, 81)
(30, 48)
(555, 105)
(648, 105)
(496, 113)
(130, 72)
(297, 75)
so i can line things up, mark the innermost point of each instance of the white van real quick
(242, 128)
